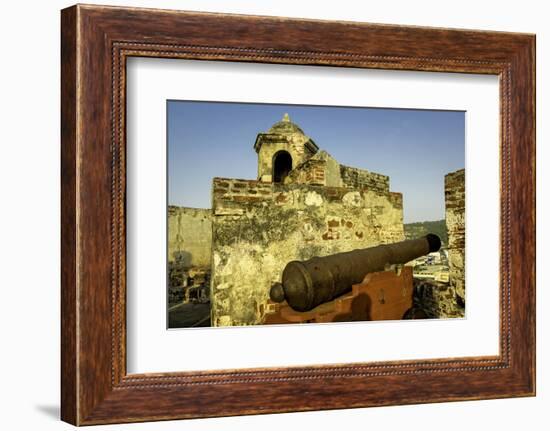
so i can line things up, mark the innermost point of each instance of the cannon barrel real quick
(307, 284)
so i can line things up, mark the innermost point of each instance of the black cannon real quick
(307, 284)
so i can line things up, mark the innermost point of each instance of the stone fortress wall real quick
(322, 169)
(448, 300)
(259, 227)
(455, 198)
(189, 236)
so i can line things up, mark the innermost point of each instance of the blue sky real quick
(416, 148)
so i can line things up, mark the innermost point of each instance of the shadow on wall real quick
(183, 259)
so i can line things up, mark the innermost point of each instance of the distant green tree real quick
(415, 230)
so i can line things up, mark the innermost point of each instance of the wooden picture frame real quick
(95, 43)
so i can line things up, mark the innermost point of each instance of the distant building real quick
(432, 272)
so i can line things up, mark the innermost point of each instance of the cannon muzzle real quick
(307, 284)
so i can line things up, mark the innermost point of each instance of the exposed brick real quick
(247, 199)
(281, 198)
(454, 218)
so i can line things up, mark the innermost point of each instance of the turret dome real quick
(285, 127)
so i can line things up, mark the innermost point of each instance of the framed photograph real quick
(326, 214)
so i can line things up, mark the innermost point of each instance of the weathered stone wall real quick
(436, 300)
(189, 236)
(270, 144)
(363, 179)
(259, 227)
(332, 170)
(310, 172)
(323, 169)
(455, 221)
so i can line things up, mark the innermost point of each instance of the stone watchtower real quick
(283, 147)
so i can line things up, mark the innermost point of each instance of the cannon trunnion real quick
(308, 284)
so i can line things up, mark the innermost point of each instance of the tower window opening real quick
(282, 165)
